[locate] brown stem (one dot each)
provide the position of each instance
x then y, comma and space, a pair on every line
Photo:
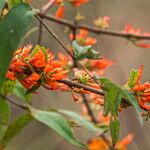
90, 113
85, 87
43, 11
40, 33
93, 29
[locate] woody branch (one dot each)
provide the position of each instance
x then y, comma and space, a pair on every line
95, 30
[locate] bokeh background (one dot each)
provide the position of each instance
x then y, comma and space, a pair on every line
36, 136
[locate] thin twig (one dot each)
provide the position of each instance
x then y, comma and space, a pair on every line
40, 33
55, 36
90, 113
94, 29
43, 11
14, 103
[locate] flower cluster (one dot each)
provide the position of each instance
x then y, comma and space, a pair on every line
38, 67
136, 31
142, 91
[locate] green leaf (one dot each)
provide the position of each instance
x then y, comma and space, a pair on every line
133, 78
81, 52
12, 30
108, 86
15, 127
2, 4
81, 121
57, 122
114, 129
12, 3
112, 97
4, 116
130, 97
20, 91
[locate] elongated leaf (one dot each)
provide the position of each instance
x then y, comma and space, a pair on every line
109, 102
130, 97
14, 128
133, 78
124, 93
57, 122
82, 121
12, 30
4, 116
112, 97
114, 129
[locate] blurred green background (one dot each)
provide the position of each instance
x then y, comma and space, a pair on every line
38, 137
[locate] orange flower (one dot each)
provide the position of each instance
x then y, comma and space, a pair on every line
142, 90
97, 66
90, 41
57, 1
142, 45
35, 76
101, 63
30, 81
17, 65
54, 70
38, 60
54, 85
97, 144
122, 145
78, 2
129, 29
83, 37
60, 12
27, 68
10, 75
63, 59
